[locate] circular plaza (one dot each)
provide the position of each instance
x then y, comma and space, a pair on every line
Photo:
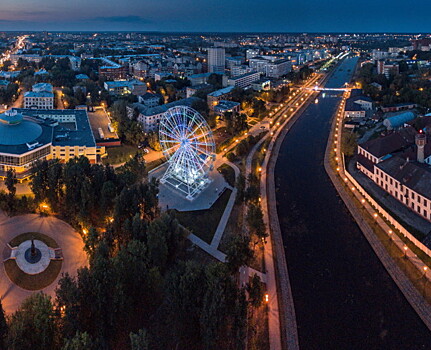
36, 250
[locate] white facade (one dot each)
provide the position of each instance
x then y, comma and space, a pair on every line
216, 59
244, 81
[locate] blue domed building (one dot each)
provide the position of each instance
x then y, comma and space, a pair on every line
29, 135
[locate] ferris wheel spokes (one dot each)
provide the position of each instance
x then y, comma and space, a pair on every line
187, 142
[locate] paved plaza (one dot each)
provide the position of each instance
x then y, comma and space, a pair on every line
170, 198
66, 237
37, 267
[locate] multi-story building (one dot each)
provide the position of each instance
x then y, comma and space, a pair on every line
149, 117
357, 105
269, 66
400, 167
263, 84
240, 70
278, 68
250, 53
125, 87
191, 90
216, 60
41, 97
224, 106
198, 79
387, 69
245, 80
30, 135
113, 71
214, 97
150, 100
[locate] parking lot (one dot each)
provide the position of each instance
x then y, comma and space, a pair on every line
100, 120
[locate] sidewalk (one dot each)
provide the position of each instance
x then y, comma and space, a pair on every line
412, 294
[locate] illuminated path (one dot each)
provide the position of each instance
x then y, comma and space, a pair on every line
66, 237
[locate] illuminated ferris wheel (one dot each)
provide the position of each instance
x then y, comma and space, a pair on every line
188, 145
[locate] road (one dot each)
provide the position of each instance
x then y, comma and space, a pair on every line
295, 105
18, 46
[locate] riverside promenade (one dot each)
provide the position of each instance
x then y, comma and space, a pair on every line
344, 186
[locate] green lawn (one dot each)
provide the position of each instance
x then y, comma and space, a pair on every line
203, 223
32, 282
228, 174
33, 235
120, 154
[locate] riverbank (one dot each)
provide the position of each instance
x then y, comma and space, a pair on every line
406, 269
343, 296
288, 325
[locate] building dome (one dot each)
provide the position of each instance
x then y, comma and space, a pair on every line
16, 131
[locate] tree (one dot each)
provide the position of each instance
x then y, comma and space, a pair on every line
67, 300
240, 185
91, 240
140, 341
11, 181
81, 341
35, 313
238, 253
3, 329
242, 148
153, 141
223, 313
255, 222
255, 291
185, 289
201, 106
216, 80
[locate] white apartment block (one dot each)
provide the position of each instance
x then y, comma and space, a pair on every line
245, 80
216, 59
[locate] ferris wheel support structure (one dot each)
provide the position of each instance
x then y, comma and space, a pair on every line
188, 145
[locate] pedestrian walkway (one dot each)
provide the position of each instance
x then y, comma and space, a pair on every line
412, 294
66, 237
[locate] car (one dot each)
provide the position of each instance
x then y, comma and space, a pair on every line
262, 127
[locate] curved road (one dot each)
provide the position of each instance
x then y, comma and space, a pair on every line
344, 298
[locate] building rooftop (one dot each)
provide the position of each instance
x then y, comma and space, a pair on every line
225, 106
18, 132
82, 76
414, 175
38, 94
42, 87
243, 76
390, 143
41, 72
67, 133
221, 92
149, 96
149, 111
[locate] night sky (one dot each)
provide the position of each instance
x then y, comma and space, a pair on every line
217, 15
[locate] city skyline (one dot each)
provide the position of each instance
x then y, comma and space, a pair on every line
213, 16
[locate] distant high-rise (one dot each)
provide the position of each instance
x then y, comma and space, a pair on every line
216, 59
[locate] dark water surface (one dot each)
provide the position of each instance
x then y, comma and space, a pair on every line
344, 298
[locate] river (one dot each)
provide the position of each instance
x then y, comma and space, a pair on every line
344, 298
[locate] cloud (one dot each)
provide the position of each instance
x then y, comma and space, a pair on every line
121, 19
